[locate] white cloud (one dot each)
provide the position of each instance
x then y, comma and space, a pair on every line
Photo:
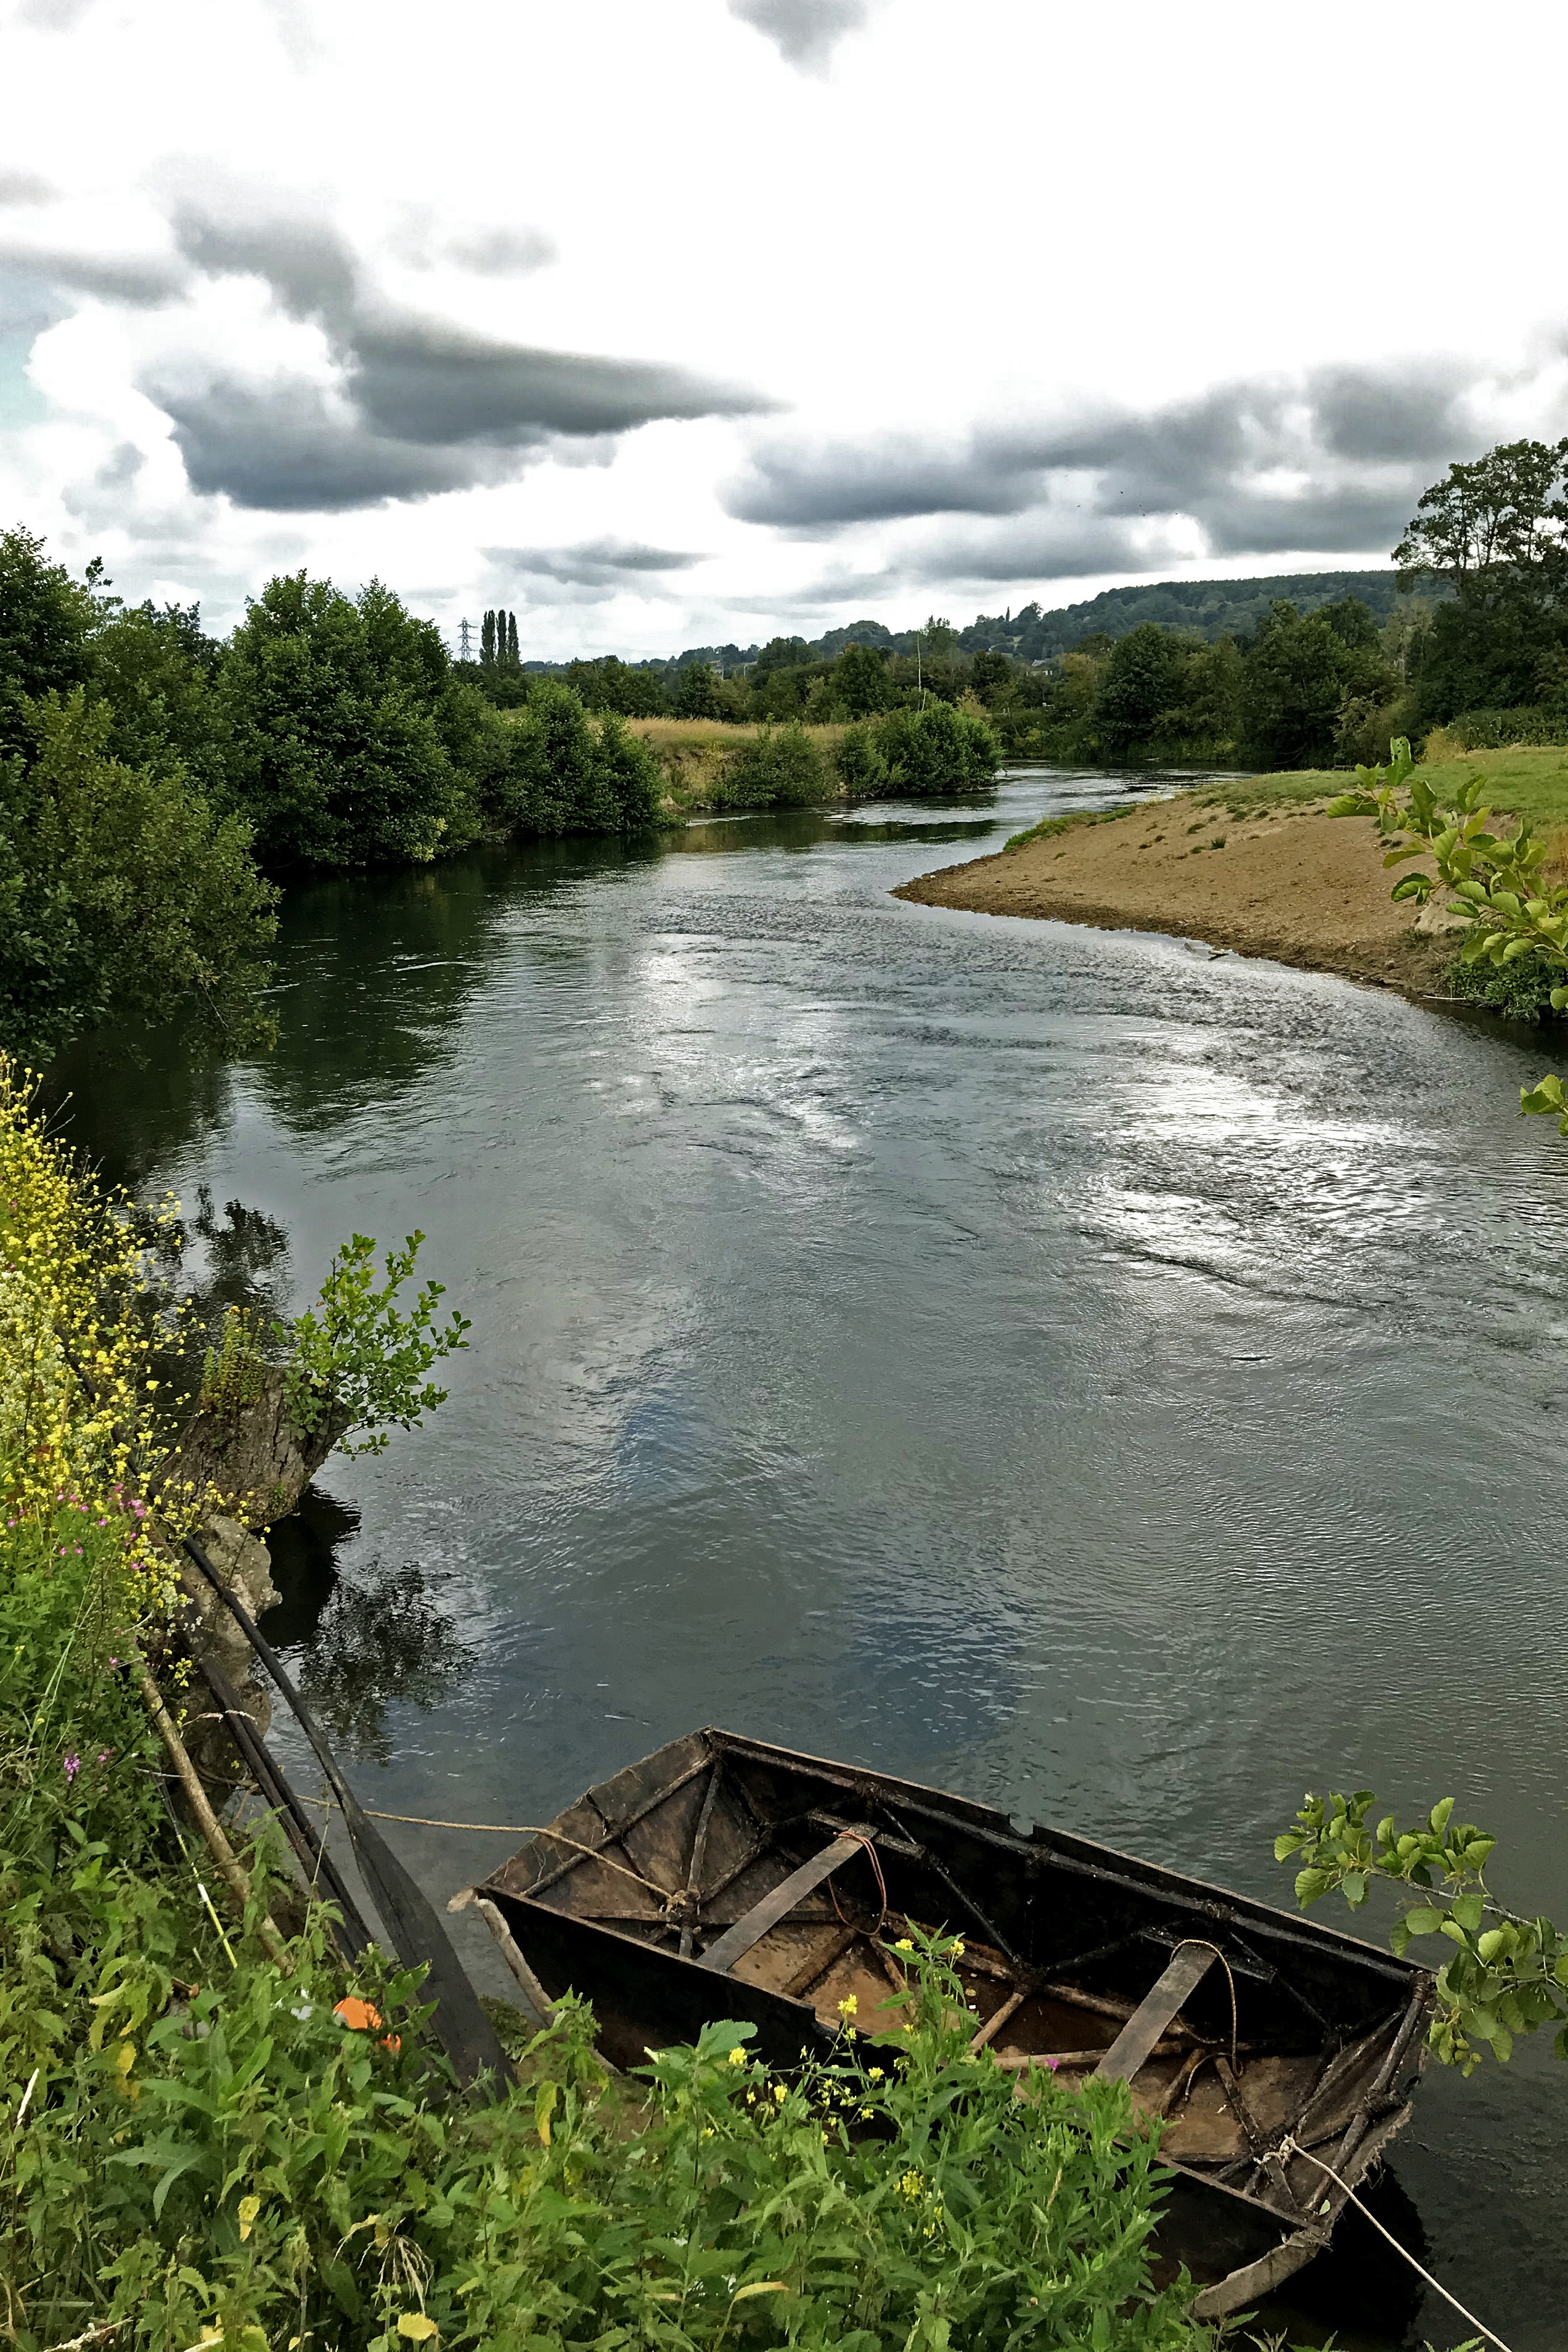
262, 264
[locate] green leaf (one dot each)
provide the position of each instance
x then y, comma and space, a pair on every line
1353, 1886
1309, 1884
1438, 1819
1289, 1843
1423, 1920
1469, 1910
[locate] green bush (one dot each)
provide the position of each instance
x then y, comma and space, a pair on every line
937, 750
234, 2161
781, 767
1520, 990
564, 774
335, 718
1495, 731
862, 769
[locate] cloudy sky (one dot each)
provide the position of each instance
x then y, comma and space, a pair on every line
677, 321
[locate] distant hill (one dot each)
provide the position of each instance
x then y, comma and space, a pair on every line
1207, 608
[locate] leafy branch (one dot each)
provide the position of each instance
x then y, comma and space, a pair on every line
354, 1359
1506, 1976
1496, 878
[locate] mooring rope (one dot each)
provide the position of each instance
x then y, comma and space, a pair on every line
510, 1828
1289, 2148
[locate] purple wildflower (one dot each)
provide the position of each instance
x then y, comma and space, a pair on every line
73, 1766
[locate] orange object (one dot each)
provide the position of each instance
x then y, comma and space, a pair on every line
361, 2017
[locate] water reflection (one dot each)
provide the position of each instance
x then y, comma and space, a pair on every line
364, 1642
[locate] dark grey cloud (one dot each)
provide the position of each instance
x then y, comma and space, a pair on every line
425, 406
1331, 462
24, 188
600, 562
805, 32
308, 267
286, 448
141, 283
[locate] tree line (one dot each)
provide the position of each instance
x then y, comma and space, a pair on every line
155, 785
1469, 630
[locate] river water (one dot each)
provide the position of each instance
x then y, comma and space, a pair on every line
1122, 1383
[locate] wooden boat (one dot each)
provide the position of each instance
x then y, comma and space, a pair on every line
722, 1877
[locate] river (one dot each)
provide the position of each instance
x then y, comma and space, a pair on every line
1122, 1384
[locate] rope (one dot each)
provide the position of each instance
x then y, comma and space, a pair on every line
1289, 2148
875, 1861
511, 1829
1206, 1947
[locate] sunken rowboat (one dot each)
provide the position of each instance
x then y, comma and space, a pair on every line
721, 1877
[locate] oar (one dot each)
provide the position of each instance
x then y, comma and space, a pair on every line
465, 2033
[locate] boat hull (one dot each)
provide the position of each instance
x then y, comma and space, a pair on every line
726, 1878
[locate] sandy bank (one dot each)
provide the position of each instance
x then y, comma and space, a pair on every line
1296, 886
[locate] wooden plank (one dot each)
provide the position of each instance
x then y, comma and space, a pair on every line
1155, 2013
753, 1925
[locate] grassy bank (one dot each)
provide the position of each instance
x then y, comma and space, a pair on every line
1529, 780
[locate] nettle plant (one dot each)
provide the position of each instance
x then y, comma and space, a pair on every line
1496, 878
1505, 1975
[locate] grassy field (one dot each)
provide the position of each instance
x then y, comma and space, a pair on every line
1530, 780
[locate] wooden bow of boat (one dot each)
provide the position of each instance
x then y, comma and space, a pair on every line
722, 1877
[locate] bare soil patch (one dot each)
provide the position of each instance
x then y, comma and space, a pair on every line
1295, 886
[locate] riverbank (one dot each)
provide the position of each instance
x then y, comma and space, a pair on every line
1295, 886
1254, 866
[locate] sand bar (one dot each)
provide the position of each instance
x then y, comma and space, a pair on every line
1295, 886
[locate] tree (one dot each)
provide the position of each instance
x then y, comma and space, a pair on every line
488, 640
565, 776
1141, 682
695, 697
859, 682
46, 621
513, 659
155, 669
990, 675
335, 716
1496, 532
122, 892
1296, 674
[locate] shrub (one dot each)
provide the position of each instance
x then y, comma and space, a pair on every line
566, 775
862, 769
333, 714
781, 767
937, 750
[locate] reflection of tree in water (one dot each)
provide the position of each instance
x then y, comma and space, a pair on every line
130, 1113
383, 1639
247, 1261
358, 1644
